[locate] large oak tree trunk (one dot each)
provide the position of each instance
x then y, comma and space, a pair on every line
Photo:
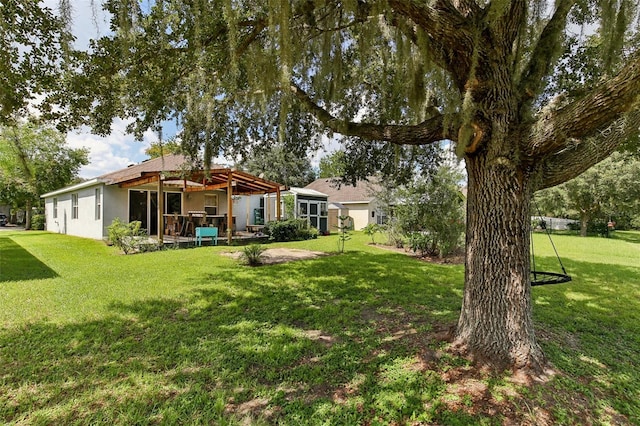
496, 324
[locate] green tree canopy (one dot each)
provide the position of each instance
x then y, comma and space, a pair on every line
35, 159
333, 165
278, 164
396, 78
32, 43
160, 148
607, 191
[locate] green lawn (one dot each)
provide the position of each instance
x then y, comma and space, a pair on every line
88, 335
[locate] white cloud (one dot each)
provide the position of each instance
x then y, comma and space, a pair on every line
110, 153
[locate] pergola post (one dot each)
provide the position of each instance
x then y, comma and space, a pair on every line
229, 207
278, 208
268, 208
160, 209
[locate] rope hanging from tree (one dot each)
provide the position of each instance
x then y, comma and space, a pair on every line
545, 277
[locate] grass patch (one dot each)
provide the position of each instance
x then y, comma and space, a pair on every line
194, 337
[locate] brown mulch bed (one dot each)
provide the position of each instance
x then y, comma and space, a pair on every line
273, 256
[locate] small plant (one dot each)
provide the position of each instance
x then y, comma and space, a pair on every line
371, 230
129, 237
344, 225
253, 254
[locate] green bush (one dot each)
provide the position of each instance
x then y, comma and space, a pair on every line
290, 230
598, 227
37, 222
130, 237
422, 242
253, 254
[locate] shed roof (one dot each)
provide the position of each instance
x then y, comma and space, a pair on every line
308, 192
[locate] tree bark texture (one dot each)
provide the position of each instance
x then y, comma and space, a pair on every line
495, 324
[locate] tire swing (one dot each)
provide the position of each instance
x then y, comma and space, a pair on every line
544, 277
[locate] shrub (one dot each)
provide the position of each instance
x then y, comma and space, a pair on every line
253, 254
290, 230
37, 222
599, 228
395, 237
573, 226
130, 237
422, 242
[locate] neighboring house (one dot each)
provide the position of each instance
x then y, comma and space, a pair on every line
131, 194
358, 202
308, 204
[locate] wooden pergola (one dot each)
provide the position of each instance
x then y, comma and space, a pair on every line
233, 181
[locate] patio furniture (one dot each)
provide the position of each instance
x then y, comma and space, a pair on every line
255, 228
206, 232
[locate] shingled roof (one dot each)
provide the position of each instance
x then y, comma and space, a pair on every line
177, 167
173, 163
362, 192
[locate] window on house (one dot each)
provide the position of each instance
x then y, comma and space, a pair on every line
303, 208
98, 204
74, 206
381, 218
173, 203
323, 209
211, 204
55, 208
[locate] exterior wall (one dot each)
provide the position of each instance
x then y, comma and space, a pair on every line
85, 225
334, 213
361, 214
243, 210
115, 205
242, 206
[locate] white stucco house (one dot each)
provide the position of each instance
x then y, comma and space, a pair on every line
187, 198
359, 201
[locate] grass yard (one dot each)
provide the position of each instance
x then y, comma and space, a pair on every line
88, 336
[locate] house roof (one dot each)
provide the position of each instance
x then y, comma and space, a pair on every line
362, 192
166, 163
75, 187
306, 191
172, 168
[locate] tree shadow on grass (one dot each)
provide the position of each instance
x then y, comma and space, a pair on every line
349, 339
589, 330
17, 264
